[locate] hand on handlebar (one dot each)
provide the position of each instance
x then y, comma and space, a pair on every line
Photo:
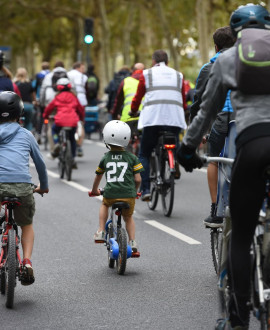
188, 158
138, 195
93, 193
40, 191
134, 114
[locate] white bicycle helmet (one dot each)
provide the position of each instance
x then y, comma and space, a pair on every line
116, 133
63, 84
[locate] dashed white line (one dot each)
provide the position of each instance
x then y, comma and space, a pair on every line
172, 232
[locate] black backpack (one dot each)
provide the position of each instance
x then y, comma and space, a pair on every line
92, 86
253, 61
57, 75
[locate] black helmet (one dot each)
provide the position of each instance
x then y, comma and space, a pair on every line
2, 59
11, 106
249, 16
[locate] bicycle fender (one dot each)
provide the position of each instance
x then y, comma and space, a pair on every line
114, 248
107, 225
171, 159
129, 251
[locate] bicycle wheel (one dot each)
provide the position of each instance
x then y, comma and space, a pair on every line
2, 281
153, 185
216, 237
68, 160
111, 261
122, 257
167, 192
11, 268
61, 161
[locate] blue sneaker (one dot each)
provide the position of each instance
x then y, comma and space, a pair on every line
146, 196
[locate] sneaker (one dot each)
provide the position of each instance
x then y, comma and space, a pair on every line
133, 245
74, 165
27, 275
146, 196
79, 152
99, 237
213, 222
56, 150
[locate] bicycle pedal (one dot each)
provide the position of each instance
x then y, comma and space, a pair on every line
100, 242
135, 254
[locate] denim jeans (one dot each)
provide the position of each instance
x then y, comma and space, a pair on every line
55, 131
149, 140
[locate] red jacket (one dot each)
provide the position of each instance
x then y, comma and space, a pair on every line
69, 110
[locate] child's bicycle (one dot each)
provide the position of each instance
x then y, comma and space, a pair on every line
11, 266
116, 238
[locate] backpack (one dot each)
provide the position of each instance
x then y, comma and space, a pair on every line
92, 86
57, 75
253, 61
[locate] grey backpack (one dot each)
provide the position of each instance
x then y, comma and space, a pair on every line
253, 61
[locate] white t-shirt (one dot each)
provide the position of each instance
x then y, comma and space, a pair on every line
78, 80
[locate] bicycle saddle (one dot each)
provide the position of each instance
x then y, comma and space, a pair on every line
11, 200
120, 205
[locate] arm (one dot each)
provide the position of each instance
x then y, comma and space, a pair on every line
49, 109
39, 164
212, 102
137, 180
136, 101
95, 190
199, 90
119, 101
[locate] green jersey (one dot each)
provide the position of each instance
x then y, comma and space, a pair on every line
119, 168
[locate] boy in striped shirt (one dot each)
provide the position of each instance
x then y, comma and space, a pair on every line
122, 170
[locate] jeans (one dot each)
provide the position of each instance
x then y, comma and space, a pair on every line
55, 131
149, 140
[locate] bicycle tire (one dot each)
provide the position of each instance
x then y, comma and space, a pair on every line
3, 281
111, 262
216, 238
121, 261
152, 204
11, 268
61, 164
68, 160
167, 192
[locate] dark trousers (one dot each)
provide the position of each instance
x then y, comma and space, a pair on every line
149, 140
55, 131
247, 192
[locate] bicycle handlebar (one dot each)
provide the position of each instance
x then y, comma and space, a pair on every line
227, 161
101, 190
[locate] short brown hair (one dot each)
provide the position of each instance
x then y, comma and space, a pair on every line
160, 56
223, 38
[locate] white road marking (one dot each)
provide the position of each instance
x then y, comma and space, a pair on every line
172, 232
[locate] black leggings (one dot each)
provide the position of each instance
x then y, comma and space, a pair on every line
247, 192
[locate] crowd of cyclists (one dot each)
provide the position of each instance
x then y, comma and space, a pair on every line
147, 102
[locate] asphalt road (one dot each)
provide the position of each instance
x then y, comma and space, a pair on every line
172, 285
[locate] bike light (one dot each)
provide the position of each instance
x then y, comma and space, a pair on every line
169, 146
46, 121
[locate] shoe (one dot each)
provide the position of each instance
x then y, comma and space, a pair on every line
177, 174
74, 165
27, 274
99, 237
213, 222
133, 245
146, 196
224, 324
56, 150
79, 152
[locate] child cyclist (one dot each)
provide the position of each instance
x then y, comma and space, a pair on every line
122, 170
16, 144
69, 112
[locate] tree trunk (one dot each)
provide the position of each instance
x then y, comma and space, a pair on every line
165, 27
126, 33
202, 8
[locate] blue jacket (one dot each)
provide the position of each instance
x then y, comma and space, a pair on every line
16, 144
223, 118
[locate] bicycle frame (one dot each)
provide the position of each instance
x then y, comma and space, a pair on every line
111, 243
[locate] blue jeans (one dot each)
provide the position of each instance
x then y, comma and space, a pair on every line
149, 141
55, 131
29, 111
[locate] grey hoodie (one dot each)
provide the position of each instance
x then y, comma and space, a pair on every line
250, 109
16, 144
